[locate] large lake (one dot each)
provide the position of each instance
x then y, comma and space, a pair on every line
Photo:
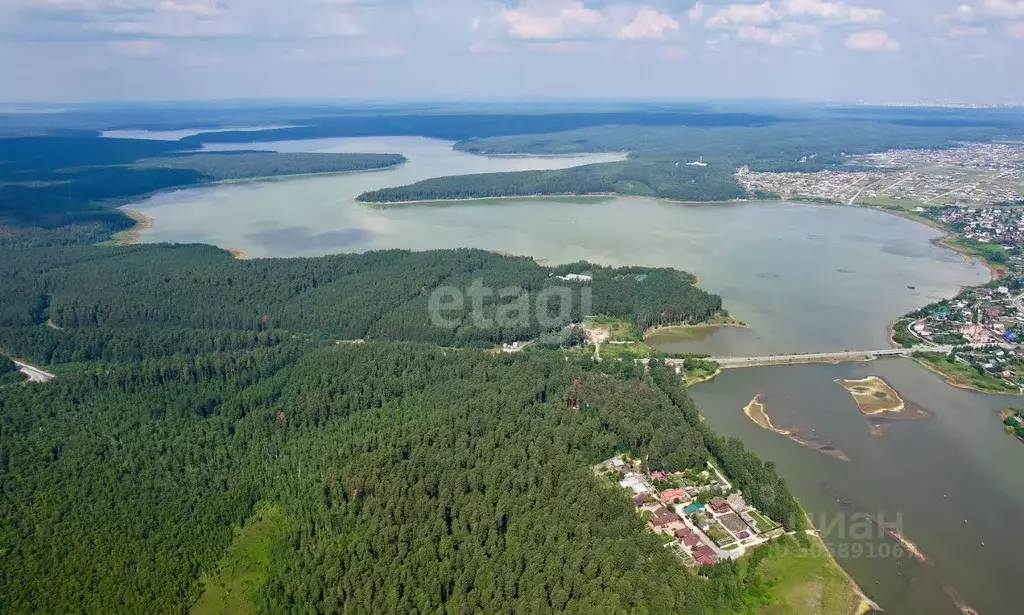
804, 277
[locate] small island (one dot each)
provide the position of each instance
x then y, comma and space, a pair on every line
1013, 420
757, 413
880, 403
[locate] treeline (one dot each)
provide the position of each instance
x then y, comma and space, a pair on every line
46, 345
413, 480
148, 291
7, 366
654, 178
468, 125
812, 143
227, 166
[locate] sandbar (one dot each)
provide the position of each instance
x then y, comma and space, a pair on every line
757, 413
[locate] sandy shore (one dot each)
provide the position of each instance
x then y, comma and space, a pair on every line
567, 195
133, 235
874, 396
733, 323
867, 605
755, 410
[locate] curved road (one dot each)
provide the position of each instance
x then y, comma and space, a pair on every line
34, 373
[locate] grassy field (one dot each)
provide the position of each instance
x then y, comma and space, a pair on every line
764, 524
619, 329
628, 350
243, 568
961, 374
805, 580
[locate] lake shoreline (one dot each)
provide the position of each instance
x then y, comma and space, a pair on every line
735, 324
955, 382
133, 236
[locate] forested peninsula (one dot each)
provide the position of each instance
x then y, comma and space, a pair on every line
66, 189
631, 177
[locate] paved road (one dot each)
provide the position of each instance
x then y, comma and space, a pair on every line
34, 373
817, 357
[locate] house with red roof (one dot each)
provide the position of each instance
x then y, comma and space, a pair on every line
674, 496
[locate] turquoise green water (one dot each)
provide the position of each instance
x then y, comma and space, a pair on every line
804, 277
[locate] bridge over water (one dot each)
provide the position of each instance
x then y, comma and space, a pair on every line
845, 356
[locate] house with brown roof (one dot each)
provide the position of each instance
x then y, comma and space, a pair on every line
719, 504
664, 517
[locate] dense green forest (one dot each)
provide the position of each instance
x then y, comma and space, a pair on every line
227, 166
634, 177
810, 144
9, 373
378, 295
72, 184
413, 480
414, 472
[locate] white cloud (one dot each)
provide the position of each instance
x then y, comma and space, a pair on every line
735, 15
986, 10
872, 40
743, 14
1006, 9
786, 35
833, 12
648, 23
1015, 30
139, 47
571, 20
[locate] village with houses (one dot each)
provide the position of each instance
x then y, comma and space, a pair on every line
698, 512
971, 174
984, 324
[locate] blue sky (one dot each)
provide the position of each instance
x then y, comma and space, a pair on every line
873, 50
